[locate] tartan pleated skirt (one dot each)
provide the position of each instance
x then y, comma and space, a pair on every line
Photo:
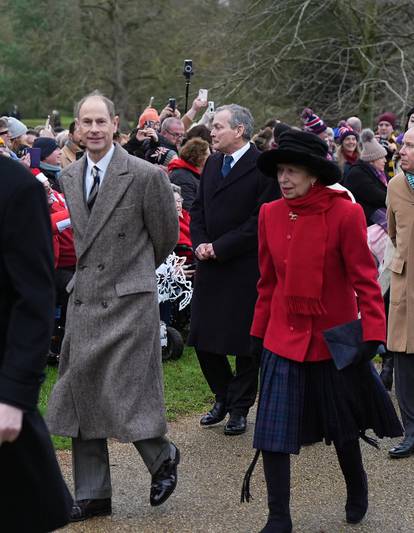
304, 403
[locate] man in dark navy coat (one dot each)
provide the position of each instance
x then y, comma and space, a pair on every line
33, 495
224, 236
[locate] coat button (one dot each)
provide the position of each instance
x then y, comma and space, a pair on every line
105, 305
121, 235
288, 237
101, 266
82, 267
77, 302
291, 328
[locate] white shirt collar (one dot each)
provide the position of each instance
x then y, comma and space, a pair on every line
102, 164
238, 154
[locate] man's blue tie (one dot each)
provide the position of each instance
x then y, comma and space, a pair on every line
225, 169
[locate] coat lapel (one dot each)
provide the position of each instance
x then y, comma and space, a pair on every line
244, 165
74, 195
117, 180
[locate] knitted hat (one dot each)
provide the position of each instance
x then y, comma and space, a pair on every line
312, 122
410, 112
387, 117
149, 114
371, 148
47, 146
345, 131
16, 128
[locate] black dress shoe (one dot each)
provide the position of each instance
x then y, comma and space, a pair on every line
404, 449
164, 481
84, 509
236, 425
215, 415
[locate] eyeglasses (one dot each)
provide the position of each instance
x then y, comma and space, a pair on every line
176, 135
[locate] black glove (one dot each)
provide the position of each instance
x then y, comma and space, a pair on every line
367, 350
256, 347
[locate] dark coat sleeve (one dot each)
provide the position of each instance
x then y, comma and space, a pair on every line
27, 256
198, 225
189, 186
243, 239
361, 182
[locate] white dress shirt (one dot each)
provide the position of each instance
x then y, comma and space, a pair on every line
102, 164
238, 154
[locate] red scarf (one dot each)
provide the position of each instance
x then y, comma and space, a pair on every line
180, 163
351, 157
306, 256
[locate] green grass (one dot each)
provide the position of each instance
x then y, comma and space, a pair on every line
186, 391
33, 122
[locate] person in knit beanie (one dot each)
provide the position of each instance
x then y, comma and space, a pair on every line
313, 123
348, 151
386, 123
150, 119
50, 155
17, 135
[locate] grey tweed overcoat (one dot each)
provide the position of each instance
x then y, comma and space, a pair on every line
110, 375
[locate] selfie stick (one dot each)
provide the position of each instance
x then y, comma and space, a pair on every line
188, 72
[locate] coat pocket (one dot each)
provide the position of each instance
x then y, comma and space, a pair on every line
397, 265
134, 286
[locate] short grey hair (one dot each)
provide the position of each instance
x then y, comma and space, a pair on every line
176, 188
169, 121
239, 116
108, 103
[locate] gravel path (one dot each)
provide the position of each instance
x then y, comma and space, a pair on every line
207, 496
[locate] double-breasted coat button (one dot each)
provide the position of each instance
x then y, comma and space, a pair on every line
121, 235
82, 267
288, 237
77, 302
101, 266
105, 305
291, 328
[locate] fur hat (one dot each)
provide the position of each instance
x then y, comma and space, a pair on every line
301, 148
371, 148
311, 121
387, 117
47, 146
16, 128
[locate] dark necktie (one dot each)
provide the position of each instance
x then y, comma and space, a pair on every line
225, 169
95, 187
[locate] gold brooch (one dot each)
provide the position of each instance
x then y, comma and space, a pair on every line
293, 216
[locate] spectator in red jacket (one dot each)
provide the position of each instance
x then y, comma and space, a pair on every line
313, 258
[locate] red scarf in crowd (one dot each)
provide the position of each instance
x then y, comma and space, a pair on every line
180, 163
350, 157
306, 257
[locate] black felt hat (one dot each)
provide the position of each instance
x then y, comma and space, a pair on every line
304, 149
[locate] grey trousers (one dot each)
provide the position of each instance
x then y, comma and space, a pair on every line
90, 464
404, 389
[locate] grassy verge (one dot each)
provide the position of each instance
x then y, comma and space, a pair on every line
186, 391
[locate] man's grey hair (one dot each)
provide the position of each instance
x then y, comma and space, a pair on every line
168, 122
239, 116
108, 103
355, 123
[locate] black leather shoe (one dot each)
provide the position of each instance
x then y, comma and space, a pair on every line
215, 415
236, 425
404, 449
84, 509
164, 481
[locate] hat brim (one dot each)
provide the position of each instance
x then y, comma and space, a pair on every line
327, 171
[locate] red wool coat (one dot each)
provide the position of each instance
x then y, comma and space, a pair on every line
349, 269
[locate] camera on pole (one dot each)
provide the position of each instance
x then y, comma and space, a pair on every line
187, 72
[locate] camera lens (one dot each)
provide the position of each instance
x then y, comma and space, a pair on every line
187, 68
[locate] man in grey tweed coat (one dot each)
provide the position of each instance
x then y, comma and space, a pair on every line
110, 375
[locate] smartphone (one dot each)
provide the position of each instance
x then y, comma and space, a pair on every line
34, 157
203, 95
211, 106
171, 103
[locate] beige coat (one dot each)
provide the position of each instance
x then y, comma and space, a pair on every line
67, 156
400, 210
110, 375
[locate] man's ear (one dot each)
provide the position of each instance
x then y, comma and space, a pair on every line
240, 130
116, 122
77, 122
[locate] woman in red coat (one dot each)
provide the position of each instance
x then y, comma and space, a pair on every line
313, 258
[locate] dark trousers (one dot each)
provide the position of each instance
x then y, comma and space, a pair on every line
238, 391
404, 389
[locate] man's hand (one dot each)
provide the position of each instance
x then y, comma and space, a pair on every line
205, 251
169, 112
146, 133
10, 422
